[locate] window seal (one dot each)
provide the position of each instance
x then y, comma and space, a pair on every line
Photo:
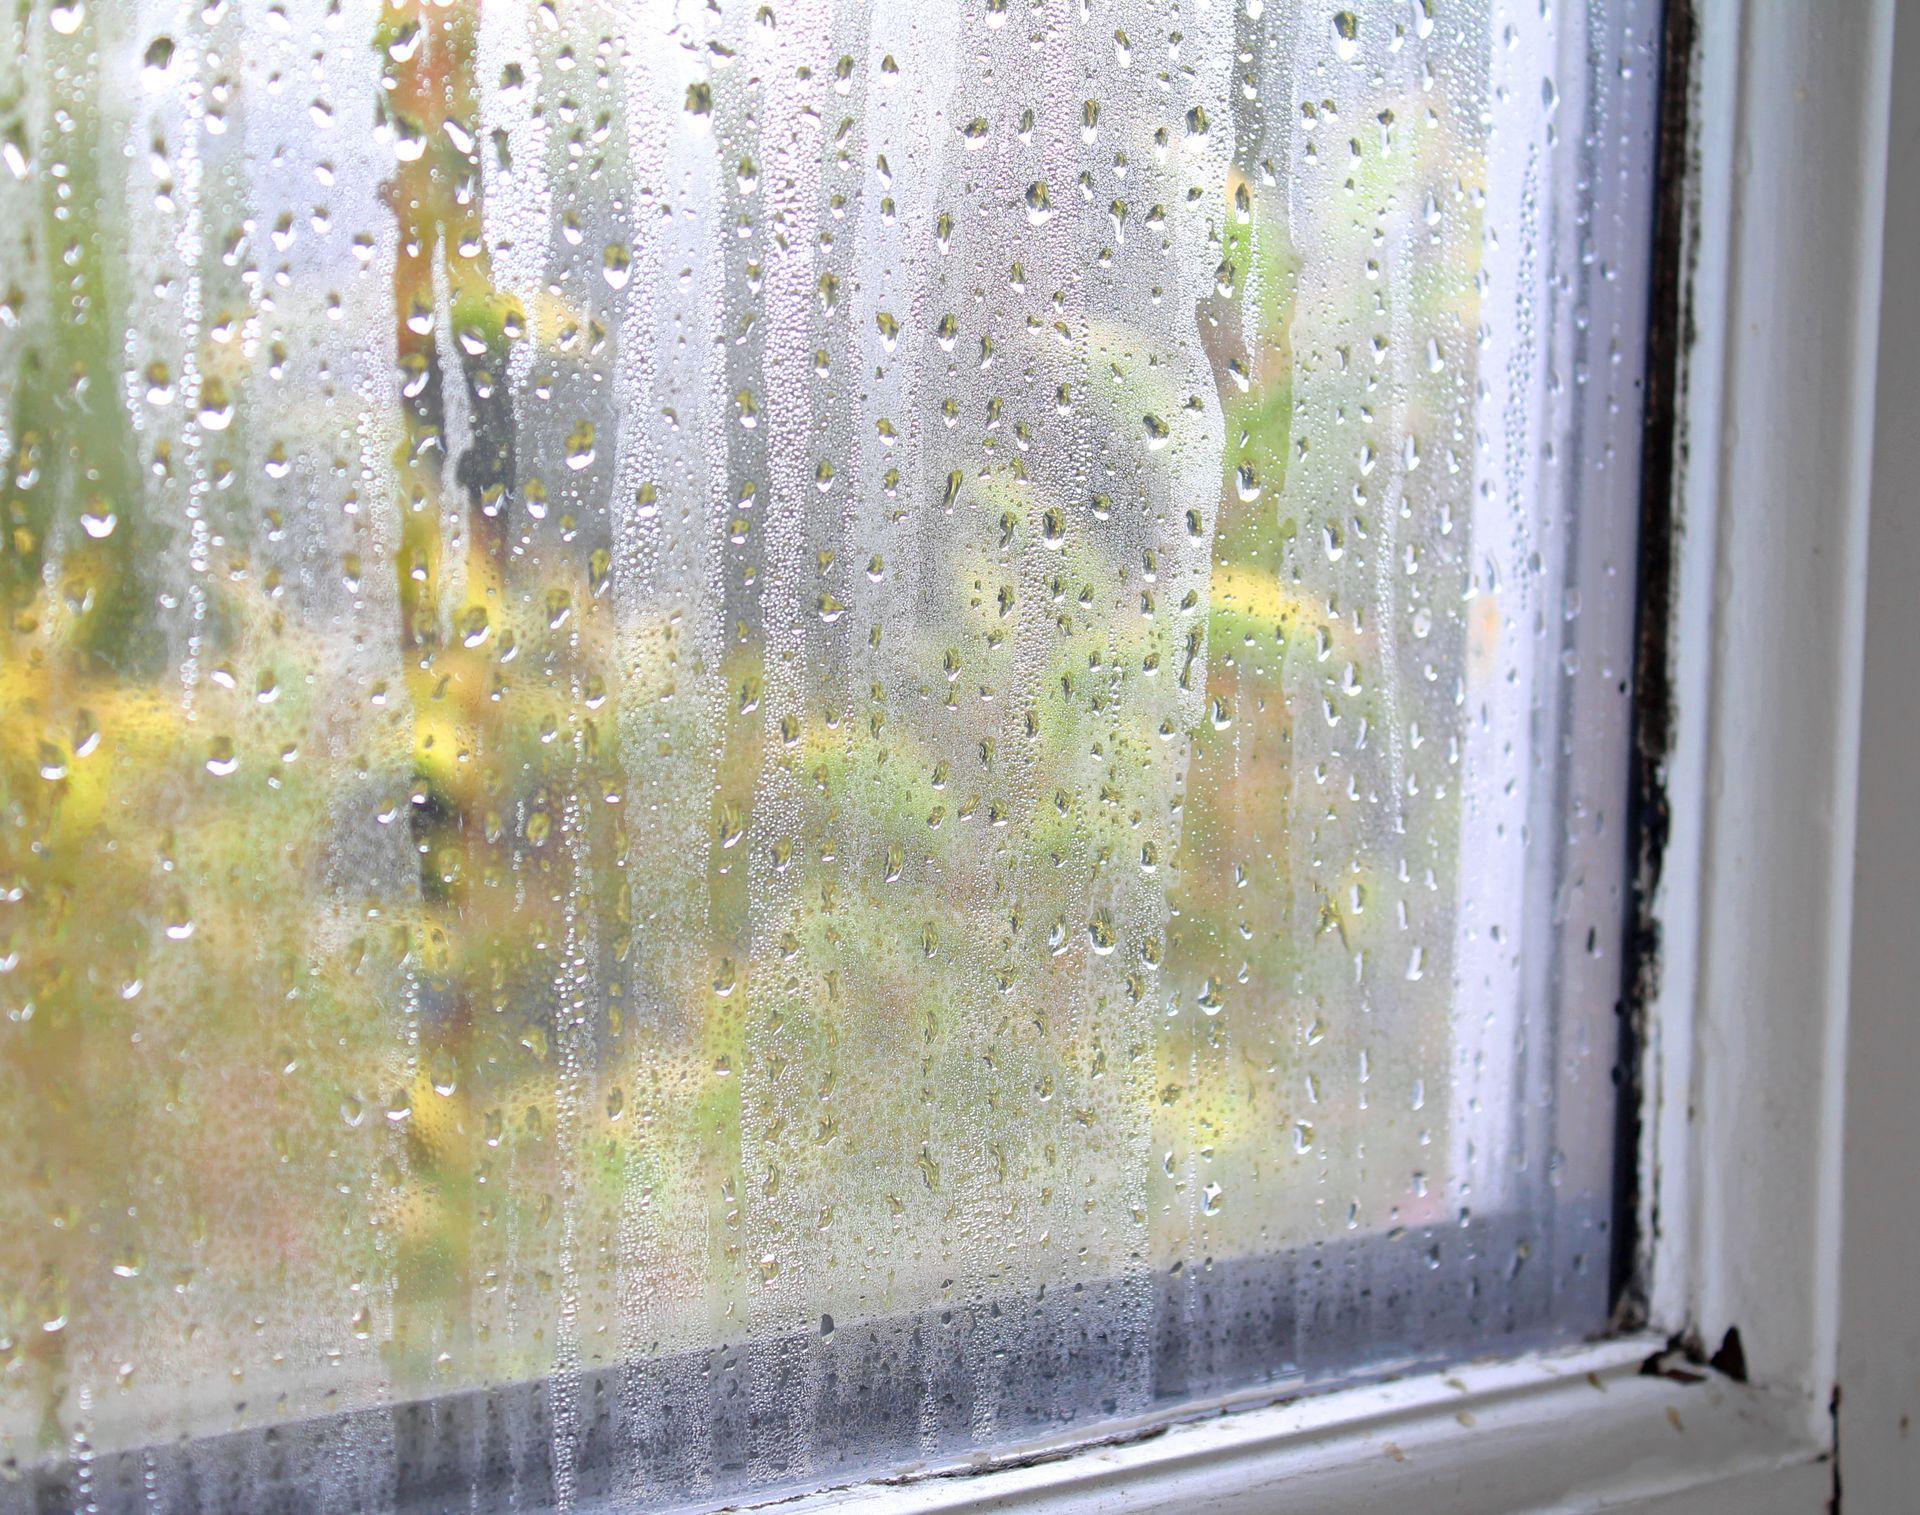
1616, 1425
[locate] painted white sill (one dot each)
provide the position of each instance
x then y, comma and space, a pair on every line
1578, 1430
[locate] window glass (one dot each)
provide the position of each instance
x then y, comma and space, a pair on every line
743, 743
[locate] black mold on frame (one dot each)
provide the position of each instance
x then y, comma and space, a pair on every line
1670, 334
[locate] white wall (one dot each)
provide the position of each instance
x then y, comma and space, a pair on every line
1879, 1360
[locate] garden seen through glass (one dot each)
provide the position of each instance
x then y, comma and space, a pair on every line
745, 743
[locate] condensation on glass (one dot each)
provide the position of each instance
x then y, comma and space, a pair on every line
745, 743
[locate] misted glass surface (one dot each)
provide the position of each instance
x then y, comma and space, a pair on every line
810, 735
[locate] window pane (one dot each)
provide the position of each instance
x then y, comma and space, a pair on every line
749, 743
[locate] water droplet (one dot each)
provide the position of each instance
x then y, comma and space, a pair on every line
1100, 932
409, 138
1346, 35
616, 264
216, 406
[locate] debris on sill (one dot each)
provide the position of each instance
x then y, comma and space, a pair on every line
1684, 1360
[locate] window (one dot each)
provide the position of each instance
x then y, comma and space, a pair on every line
749, 746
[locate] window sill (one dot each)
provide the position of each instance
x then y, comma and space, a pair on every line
1582, 1429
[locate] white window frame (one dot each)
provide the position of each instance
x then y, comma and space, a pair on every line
1745, 1069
